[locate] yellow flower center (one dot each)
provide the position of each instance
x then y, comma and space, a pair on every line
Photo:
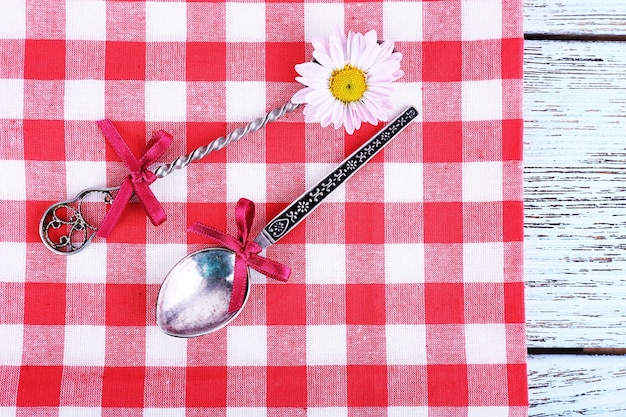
348, 84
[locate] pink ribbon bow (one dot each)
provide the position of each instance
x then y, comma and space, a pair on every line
139, 179
246, 252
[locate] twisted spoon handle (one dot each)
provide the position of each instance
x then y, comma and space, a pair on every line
223, 141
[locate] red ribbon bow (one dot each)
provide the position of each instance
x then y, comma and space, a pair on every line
246, 252
139, 179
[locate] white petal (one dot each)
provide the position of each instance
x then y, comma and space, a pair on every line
385, 51
349, 120
313, 70
356, 49
341, 36
380, 91
371, 37
337, 55
318, 96
364, 113
379, 78
316, 83
373, 104
320, 44
300, 96
368, 57
338, 112
323, 58
386, 67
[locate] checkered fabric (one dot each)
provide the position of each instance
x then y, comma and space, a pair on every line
406, 297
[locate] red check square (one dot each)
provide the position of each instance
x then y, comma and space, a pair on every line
126, 305
447, 385
206, 386
365, 223
123, 386
286, 386
512, 58
39, 386
206, 61
280, 59
442, 61
444, 303
54, 133
286, 304
367, 385
365, 304
125, 60
44, 59
443, 141
44, 303
284, 142
443, 222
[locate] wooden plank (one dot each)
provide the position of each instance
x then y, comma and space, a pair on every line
575, 17
571, 385
575, 193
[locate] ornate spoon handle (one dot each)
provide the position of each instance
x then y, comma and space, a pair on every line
66, 227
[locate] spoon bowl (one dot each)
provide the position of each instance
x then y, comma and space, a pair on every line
195, 294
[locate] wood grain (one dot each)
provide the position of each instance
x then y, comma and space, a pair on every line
566, 385
601, 18
575, 193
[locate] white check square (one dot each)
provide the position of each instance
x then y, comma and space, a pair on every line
483, 262
12, 336
85, 20
160, 259
84, 174
84, 345
482, 181
12, 21
404, 263
12, 103
402, 21
166, 101
485, 343
245, 180
325, 264
404, 182
14, 267
482, 100
321, 19
166, 22
247, 345
164, 350
326, 345
245, 100
245, 22
406, 344
91, 268
84, 100
481, 19
14, 185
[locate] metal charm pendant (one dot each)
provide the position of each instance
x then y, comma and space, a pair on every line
68, 226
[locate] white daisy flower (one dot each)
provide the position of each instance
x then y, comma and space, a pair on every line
350, 81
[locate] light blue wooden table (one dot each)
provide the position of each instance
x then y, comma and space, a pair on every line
575, 206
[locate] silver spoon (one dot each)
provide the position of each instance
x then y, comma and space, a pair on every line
67, 227
195, 295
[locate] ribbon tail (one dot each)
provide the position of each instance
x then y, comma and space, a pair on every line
240, 285
269, 268
151, 205
116, 210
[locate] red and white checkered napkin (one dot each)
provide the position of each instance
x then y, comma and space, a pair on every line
406, 297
